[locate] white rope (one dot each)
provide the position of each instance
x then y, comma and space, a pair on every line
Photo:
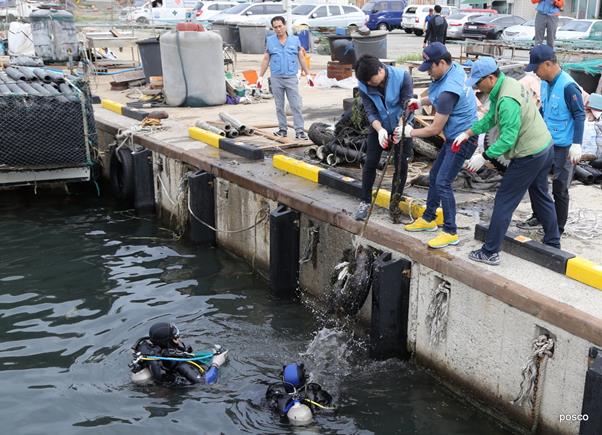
264, 212
308, 252
165, 191
437, 313
532, 377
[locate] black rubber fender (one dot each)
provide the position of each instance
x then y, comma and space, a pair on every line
121, 171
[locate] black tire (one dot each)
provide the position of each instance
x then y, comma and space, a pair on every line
320, 134
408, 30
352, 28
142, 20
383, 26
418, 32
122, 175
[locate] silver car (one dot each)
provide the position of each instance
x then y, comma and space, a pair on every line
328, 16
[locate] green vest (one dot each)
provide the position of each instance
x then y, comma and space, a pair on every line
533, 136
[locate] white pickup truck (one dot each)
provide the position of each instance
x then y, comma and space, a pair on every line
170, 11
14, 9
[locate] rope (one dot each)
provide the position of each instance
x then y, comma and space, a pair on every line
308, 251
263, 211
318, 404
533, 373
584, 224
437, 313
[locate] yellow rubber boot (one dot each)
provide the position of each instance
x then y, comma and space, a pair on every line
443, 239
421, 225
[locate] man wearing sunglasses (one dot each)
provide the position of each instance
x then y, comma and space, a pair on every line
523, 139
456, 108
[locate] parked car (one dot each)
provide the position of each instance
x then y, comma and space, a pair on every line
384, 15
160, 13
328, 16
232, 12
455, 23
258, 13
490, 27
526, 31
579, 29
414, 16
206, 9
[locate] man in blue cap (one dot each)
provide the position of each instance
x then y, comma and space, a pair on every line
523, 139
564, 114
456, 108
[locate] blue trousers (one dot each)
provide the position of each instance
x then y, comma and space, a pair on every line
524, 174
443, 173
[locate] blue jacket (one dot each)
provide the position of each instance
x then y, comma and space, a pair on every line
284, 58
465, 111
556, 113
389, 111
547, 7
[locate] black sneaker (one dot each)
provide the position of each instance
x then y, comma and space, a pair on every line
529, 224
362, 211
281, 133
480, 256
301, 135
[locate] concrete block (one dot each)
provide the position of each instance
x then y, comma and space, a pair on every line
314, 275
237, 208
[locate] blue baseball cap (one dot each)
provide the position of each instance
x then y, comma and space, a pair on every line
432, 53
539, 54
481, 68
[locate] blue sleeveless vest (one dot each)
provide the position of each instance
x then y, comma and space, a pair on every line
556, 113
284, 59
389, 112
465, 111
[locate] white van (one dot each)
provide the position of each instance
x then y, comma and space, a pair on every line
413, 17
166, 12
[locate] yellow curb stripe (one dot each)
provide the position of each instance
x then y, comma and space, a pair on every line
204, 136
296, 167
310, 172
585, 271
111, 105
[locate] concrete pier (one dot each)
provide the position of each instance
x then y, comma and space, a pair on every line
494, 313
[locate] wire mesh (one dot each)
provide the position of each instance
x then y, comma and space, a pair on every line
46, 131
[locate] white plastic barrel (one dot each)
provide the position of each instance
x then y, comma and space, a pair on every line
193, 68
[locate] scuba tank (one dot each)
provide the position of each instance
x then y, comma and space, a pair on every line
299, 414
142, 377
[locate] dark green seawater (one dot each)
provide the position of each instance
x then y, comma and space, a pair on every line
80, 281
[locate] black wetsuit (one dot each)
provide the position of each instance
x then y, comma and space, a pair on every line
168, 371
279, 399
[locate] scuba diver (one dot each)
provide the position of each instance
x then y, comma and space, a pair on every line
163, 358
295, 398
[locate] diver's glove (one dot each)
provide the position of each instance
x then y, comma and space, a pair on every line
219, 359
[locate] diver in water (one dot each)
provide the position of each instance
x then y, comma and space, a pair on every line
162, 357
295, 398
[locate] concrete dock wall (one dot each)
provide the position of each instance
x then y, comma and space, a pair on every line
490, 324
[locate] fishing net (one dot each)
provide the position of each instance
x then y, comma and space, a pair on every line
46, 131
592, 66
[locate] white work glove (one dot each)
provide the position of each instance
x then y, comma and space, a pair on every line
575, 153
475, 163
414, 104
397, 133
310, 80
458, 141
383, 138
219, 359
259, 83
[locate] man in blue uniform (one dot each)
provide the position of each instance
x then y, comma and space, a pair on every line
385, 91
284, 54
456, 108
563, 112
